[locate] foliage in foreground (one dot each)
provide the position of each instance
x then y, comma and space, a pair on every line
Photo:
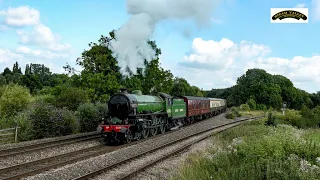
306, 118
233, 113
90, 115
13, 98
255, 151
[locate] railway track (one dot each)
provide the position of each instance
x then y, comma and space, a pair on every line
44, 145
38, 166
35, 167
203, 135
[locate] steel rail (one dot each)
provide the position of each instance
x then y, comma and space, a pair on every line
114, 165
35, 147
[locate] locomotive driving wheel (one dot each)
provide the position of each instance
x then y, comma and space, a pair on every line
153, 131
145, 133
129, 136
162, 127
138, 136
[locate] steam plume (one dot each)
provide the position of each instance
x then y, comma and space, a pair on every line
130, 46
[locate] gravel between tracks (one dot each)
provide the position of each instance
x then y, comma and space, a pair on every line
134, 165
39, 141
45, 153
170, 167
80, 168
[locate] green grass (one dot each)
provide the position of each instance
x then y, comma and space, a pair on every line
252, 113
255, 151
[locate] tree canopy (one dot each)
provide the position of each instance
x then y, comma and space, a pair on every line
101, 77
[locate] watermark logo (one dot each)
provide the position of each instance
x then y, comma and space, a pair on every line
289, 15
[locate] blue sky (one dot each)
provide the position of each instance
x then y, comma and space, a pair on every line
250, 40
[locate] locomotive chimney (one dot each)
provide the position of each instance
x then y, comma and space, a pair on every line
124, 90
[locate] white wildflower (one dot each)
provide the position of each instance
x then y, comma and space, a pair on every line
314, 167
304, 165
293, 157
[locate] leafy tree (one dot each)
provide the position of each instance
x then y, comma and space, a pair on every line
252, 104
180, 87
156, 79
100, 70
31, 81
6, 71
16, 69
133, 83
70, 97
244, 107
14, 98
3, 80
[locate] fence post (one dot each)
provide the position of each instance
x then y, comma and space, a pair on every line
16, 135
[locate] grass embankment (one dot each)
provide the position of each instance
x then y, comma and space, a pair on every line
256, 151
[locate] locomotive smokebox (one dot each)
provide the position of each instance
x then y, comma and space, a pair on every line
124, 90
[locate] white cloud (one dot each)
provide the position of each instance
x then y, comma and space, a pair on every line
300, 6
38, 53
20, 16
7, 56
24, 55
316, 9
216, 55
42, 36
215, 64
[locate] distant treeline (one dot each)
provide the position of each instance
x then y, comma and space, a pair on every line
267, 89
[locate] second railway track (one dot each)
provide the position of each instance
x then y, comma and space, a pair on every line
35, 147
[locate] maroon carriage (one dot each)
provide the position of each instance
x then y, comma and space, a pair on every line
198, 108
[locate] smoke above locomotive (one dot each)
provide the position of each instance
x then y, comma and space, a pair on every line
130, 46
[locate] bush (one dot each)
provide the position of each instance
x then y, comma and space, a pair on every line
244, 107
70, 97
104, 98
271, 121
102, 110
70, 124
233, 113
14, 98
230, 115
50, 99
49, 121
88, 116
261, 107
25, 132
252, 104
